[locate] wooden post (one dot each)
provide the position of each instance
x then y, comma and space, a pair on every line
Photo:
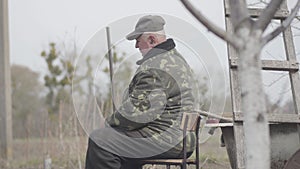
47, 162
5, 93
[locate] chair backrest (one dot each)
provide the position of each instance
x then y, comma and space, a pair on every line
191, 120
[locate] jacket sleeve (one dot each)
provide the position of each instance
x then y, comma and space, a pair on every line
144, 103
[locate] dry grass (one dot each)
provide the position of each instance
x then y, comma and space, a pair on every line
69, 153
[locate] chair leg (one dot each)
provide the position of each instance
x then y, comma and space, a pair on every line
168, 166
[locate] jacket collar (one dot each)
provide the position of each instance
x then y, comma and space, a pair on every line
158, 49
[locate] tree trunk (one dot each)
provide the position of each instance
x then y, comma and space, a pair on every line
256, 127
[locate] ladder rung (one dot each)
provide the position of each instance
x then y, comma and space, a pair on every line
273, 118
276, 65
255, 12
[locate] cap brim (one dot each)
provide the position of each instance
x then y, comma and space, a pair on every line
133, 35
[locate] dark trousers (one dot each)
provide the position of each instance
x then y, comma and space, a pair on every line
98, 158
110, 150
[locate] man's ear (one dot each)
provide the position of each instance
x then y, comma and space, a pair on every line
152, 40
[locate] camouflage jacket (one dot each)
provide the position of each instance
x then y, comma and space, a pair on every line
158, 94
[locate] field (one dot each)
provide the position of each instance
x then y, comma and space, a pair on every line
69, 153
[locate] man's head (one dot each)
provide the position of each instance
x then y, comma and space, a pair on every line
149, 32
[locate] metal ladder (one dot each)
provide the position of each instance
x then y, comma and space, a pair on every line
290, 65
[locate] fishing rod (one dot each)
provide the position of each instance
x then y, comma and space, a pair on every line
111, 69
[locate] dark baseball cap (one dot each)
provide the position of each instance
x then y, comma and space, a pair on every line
148, 23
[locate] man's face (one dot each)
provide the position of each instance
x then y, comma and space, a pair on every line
143, 43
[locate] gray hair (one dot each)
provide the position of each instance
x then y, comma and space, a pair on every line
158, 34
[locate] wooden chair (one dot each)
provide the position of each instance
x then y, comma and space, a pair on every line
189, 122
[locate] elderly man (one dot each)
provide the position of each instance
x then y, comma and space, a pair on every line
147, 124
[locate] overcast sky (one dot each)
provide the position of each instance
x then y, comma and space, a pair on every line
33, 24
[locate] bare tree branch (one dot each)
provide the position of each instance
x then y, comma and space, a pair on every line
238, 12
267, 15
230, 38
283, 26
292, 26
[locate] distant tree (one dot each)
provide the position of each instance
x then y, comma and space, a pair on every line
26, 97
58, 79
